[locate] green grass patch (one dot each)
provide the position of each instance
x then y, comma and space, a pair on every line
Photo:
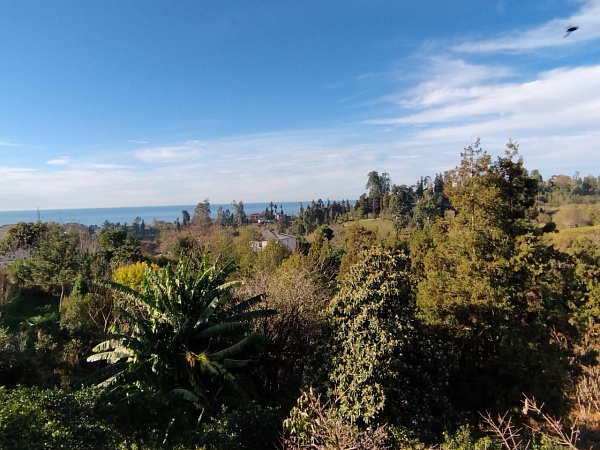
382, 227
564, 238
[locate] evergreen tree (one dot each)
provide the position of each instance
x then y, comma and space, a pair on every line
185, 216
379, 188
53, 265
202, 214
386, 366
239, 215
500, 294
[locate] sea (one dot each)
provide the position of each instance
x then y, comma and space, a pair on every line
123, 215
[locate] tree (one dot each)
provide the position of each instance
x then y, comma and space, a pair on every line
220, 246
496, 290
239, 215
356, 239
185, 339
137, 227
185, 216
271, 256
295, 291
386, 366
472, 188
429, 208
53, 266
401, 204
224, 218
120, 245
517, 191
202, 215
24, 236
244, 244
431, 204
378, 186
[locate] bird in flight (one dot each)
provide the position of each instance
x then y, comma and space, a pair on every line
570, 30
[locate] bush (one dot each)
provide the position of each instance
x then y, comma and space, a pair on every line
466, 439
31, 418
7, 288
253, 427
314, 424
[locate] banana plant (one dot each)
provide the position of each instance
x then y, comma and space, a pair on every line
182, 334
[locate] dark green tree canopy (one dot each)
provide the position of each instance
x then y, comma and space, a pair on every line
386, 366
24, 236
53, 265
201, 217
492, 283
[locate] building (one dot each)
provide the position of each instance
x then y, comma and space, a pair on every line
268, 235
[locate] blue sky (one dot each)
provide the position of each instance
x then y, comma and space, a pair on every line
143, 102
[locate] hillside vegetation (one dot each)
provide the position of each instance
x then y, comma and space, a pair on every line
460, 312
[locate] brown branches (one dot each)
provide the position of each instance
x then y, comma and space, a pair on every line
545, 426
503, 428
316, 425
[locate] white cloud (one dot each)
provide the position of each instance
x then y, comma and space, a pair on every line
565, 99
293, 165
64, 161
60, 161
553, 113
548, 35
166, 154
103, 166
9, 172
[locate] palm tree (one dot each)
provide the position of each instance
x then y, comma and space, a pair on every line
180, 336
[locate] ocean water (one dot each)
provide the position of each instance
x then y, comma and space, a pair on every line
97, 216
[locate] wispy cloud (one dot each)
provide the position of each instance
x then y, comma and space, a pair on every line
436, 108
166, 154
551, 111
446, 81
8, 172
60, 161
547, 35
69, 163
104, 166
560, 99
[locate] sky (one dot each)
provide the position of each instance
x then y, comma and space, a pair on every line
145, 102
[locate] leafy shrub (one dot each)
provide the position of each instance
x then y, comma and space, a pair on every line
31, 418
7, 288
34, 419
465, 438
315, 424
132, 275
251, 427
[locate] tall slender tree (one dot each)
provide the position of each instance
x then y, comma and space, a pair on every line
386, 366
239, 215
202, 214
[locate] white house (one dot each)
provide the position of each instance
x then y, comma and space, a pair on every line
267, 235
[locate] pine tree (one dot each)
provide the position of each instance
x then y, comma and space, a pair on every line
498, 291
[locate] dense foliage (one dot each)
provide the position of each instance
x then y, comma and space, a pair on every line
450, 327
180, 337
